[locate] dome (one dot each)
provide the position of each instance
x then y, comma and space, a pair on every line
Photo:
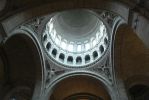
75, 37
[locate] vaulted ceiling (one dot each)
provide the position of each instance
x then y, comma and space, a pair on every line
131, 45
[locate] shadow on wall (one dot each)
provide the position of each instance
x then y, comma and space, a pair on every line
131, 60
22, 69
139, 92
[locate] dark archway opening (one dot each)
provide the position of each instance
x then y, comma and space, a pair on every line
23, 68
139, 92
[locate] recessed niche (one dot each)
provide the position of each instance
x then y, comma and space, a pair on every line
78, 60
62, 56
54, 52
101, 48
87, 58
95, 54
70, 59
45, 37
48, 46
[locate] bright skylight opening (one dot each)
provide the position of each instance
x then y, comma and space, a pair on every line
94, 42
64, 45
70, 47
57, 41
51, 27
101, 28
79, 48
87, 46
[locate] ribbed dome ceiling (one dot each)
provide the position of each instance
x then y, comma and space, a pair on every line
75, 37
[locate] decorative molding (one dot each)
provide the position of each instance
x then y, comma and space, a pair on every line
53, 70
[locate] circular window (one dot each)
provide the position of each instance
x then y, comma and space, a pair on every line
79, 33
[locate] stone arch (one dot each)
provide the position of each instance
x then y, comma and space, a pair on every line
111, 93
29, 13
25, 63
130, 55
